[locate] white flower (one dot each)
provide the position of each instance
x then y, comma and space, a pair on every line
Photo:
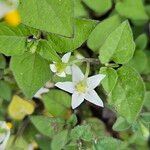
7, 6
4, 134
62, 68
82, 88
40, 92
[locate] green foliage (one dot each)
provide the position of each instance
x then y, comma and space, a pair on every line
57, 103
31, 72
125, 8
99, 6
102, 31
127, 96
122, 45
55, 16
47, 126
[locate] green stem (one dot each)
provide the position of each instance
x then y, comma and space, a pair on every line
87, 70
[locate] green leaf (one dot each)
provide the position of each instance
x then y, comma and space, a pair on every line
47, 51
2, 62
146, 117
108, 143
83, 28
54, 16
57, 103
83, 132
102, 31
121, 124
13, 39
47, 126
99, 6
59, 140
72, 121
139, 61
127, 96
110, 80
141, 41
31, 72
147, 99
119, 46
5, 90
79, 9
125, 8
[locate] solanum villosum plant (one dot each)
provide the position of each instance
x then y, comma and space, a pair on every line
74, 74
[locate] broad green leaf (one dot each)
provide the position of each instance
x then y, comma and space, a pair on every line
5, 90
60, 140
73, 120
54, 16
47, 51
82, 29
139, 61
132, 9
19, 108
83, 132
2, 62
99, 6
147, 99
121, 124
44, 143
147, 7
102, 31
141, 41
13, 39
31, 72
119, 46
108, 143
127, 96
47, 126
57, 103
110, 80
146, 117
79, 9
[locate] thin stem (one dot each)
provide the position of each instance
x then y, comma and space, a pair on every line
87, 70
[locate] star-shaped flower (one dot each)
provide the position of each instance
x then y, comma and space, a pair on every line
82, 87
62, 68
4, 134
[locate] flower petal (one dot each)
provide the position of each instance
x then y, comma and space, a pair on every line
95, 80
93, 97
62, 74
77, 74
77, 99
53, 68
66, 57
66, 86
68, 70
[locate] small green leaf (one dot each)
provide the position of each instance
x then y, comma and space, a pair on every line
99, 6
127, 96
119, 46
5, 90
83, 28
110, 80
59, 140
13, 39
102, 31
147, 99
108, 143
141, 41
83, 132
73, 120
47, 126
146, 117
57, 103
139, 61
125, 8
121, 124
54, 16
31, 72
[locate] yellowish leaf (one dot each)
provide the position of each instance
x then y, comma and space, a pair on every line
19, 108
